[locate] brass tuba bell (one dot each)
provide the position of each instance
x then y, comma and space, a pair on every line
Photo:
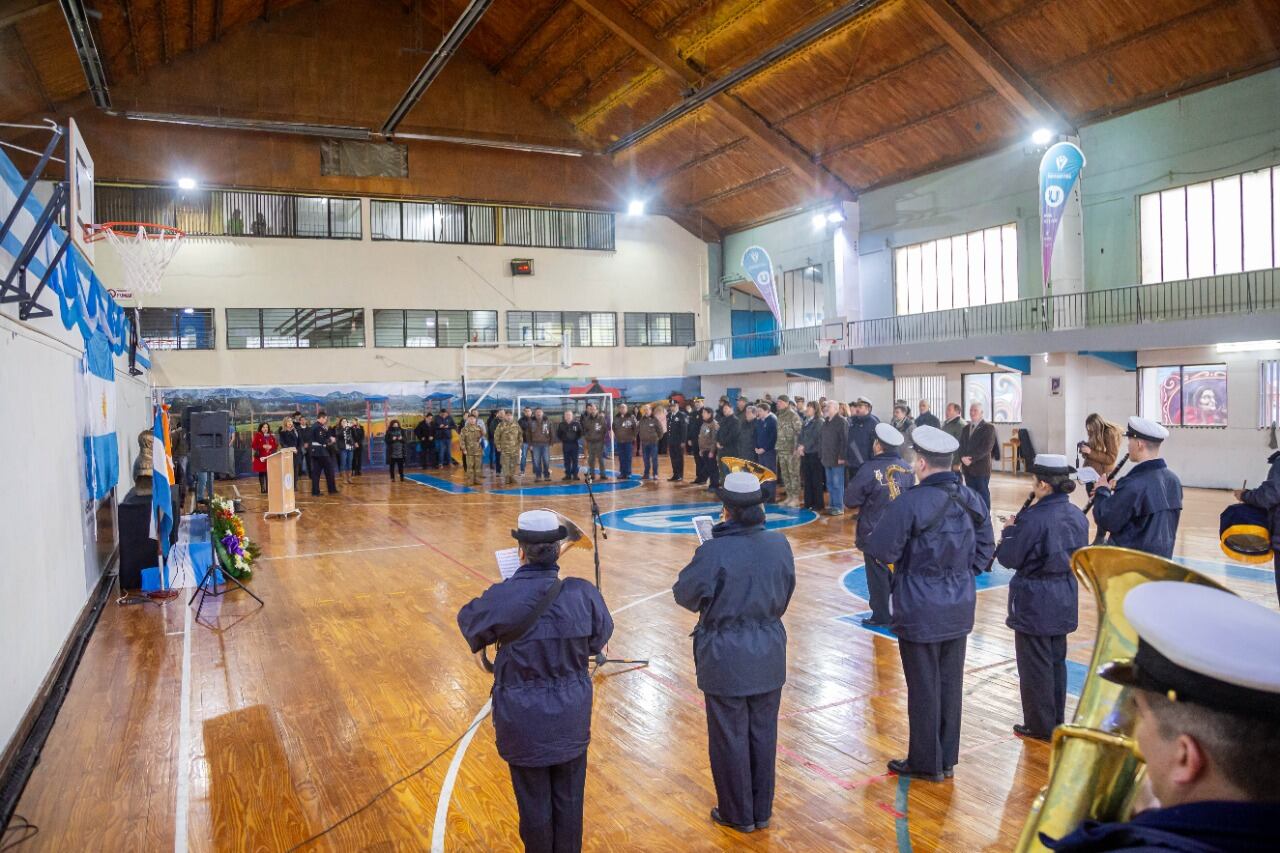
1095, 768
733, 464
576, 538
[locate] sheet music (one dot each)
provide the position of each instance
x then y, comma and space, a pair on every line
508, 561
703, 524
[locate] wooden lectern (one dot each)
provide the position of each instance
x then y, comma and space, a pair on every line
280, 484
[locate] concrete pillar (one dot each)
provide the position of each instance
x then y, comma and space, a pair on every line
847, 293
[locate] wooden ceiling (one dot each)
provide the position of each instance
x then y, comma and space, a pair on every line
902, 88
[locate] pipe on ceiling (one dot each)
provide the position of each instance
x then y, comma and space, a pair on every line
87, 49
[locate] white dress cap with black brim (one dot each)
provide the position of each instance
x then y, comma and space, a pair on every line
1051, 463
741, 489
860, 400
930, 439
888, 435
1145, 428
539, 526
1202, 645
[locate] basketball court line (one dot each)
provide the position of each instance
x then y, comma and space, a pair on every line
183, 795
347, 551
441, 823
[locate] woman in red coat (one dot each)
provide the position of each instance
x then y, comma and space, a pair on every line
264, 444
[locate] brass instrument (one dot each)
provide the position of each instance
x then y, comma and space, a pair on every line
733, 464
1095, 769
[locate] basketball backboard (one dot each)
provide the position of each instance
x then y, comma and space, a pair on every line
80, 183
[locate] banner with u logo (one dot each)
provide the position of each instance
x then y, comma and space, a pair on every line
1059, 170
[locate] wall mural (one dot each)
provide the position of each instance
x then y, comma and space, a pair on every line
376, 404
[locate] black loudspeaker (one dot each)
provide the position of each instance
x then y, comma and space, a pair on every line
186, 416
210, 438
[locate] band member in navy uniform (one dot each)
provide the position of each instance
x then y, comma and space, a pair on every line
1205, 696
546, 631
1037, 544
938, 537
1141, 511
319, 440
1267, 496
881, 480
739, 583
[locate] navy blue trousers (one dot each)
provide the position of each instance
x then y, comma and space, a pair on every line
625, 452
878, 579
935, 691
769, 459
649, 453
1042, 680
742, 737
981, 485
569, 450
550, 803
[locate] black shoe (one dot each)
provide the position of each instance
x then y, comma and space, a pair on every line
874, 623
740, 827
566, 478
1024, 732
948, 772
674, 479
899, 767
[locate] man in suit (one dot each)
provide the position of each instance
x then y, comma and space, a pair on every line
978, 441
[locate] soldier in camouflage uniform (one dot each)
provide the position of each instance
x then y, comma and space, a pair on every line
508, 437
789, 424
472, 436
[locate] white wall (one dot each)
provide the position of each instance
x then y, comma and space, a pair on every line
658, 266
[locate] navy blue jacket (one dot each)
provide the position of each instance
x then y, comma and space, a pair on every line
541, 687
1143, 511
1267, 496
1038, 546
928, 419
933, 593
766, 433
739, 583
862, 432
1209, 827
870, 490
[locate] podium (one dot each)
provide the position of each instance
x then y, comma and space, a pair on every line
280, 484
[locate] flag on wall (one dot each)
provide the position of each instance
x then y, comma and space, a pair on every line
1059, 169
161, 481
101, 449
759, 268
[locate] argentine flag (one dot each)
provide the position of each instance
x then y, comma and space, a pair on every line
101, 451
161, 482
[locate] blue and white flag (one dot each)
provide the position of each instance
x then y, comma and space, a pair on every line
1059, 169
101, 450
759, 268
161, 484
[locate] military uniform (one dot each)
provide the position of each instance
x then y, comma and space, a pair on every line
938, 537
877, 484
595, 429
624, 436
862, 432
789, 426
473, 448
1267, 497
679, 426
319, 439
508, 438
708, 470
1143, 511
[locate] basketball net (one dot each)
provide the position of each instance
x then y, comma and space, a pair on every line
145, 250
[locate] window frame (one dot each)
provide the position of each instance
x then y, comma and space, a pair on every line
649, 318
176, 315
471, 327
556, 321
990, 408
1007, 262
298, 319
1152, 370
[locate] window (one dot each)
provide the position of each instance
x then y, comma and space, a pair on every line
177, 328
581, 328
999, 394
413, 327
978, 268
802, 293
913, 389
1184, 395
657, 330
557, 229
294, 328
1227, 225
232, 213
490, 225
1268, 393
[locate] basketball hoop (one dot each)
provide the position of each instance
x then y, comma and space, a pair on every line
825, 345
145, 249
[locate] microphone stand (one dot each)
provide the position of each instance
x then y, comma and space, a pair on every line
598, 530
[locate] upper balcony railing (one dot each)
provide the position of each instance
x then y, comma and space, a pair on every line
1237, 293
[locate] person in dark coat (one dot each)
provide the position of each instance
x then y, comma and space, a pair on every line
595, 430
1205, 697
708, 470
541, 684
569, 434
320, 441
727, 436
678, 426
624, 439
877, 484
978, 441
394, 439
443, 428
926, 417
937, 536
833, 445
425, 436
862, 432
1142, 509
1267, 497
808, 446
765, 439
739, 583
525, 419
745, 441
358, 450
1037, 544
491, 428
290, 436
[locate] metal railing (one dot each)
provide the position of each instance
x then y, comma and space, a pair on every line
757, 344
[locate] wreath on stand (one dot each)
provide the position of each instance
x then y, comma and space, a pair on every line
236, 553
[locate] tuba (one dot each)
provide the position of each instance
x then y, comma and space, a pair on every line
1095, 768
733, 465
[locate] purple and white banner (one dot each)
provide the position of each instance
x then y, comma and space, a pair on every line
759, 268
1059, 170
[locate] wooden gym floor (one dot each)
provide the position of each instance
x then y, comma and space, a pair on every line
354, 674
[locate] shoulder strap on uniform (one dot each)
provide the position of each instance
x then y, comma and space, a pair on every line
526, 624
953, 496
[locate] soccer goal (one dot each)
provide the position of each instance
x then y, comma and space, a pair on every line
603, 401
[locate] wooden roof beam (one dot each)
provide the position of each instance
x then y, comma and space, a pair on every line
14, 17
133, 37
979, 53
641, 39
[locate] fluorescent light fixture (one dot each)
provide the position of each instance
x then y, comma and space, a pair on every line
835, 217
819, 220
186, 183
188, 310
1248, 346
1041, 136
635, 207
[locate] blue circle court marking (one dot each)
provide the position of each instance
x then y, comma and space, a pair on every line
678, 518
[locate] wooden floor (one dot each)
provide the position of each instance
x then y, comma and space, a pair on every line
354, 674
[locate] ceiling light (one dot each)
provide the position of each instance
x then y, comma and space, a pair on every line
835, 217
1041, 136
1248, 346
188, 310
635, 207
186, 183
819, 220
